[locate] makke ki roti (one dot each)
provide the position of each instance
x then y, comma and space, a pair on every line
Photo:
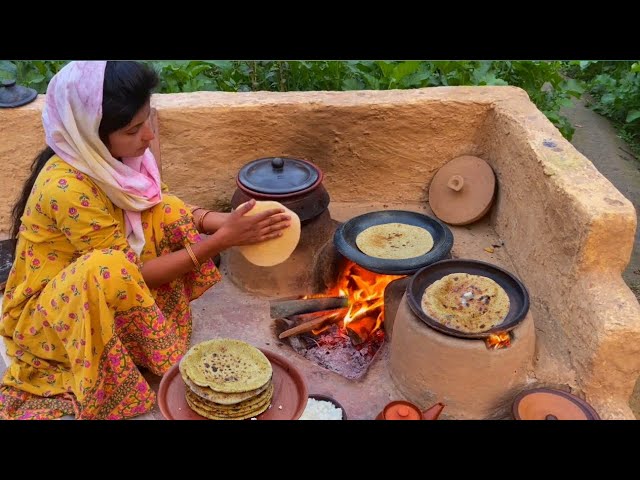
219, 397
233, 411
213, 416
227, 365
394, 241
465, 302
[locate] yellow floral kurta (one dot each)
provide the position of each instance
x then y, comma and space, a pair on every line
78, 317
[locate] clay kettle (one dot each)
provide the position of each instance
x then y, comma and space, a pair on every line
403, 410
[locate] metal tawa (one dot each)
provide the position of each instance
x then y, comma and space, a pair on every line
462, 191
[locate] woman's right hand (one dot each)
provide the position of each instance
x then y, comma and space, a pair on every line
241, 229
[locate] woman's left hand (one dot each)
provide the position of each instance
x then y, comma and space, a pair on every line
241, 229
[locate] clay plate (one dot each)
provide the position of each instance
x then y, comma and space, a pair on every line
290, 392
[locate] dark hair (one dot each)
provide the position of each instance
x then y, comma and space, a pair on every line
127, 87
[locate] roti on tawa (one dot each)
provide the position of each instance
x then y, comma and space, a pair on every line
227, 365
394, 241
467, 303
219, 397
275, 250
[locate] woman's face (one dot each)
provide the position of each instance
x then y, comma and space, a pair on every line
133, 139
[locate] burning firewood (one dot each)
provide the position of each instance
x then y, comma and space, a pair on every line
307, 317
288, 307
359, 330
312, 324
496, 341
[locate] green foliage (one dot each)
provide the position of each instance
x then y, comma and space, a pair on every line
35, 74
546, 86
543, 81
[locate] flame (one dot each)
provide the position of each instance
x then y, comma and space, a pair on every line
498, 340
365, 291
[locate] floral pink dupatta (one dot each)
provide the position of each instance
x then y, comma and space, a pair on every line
71, 119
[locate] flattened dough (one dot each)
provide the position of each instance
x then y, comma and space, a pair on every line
276, 250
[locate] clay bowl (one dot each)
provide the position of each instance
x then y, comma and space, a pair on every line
326, 398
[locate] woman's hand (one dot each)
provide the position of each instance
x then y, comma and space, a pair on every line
241, 229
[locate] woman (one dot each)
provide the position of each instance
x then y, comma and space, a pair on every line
106, 261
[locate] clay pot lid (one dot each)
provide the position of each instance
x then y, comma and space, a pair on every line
401, 410
278, 176
462, 191
549, 404
12, 95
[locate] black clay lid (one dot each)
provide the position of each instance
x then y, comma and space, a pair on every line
12, 95
278, 175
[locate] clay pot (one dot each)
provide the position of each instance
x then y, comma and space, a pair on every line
295, 183
403, 410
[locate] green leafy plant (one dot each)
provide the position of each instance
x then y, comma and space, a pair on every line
543, 81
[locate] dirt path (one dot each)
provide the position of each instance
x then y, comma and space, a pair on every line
596, 139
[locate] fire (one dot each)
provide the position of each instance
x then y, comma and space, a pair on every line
498, 340
365, 291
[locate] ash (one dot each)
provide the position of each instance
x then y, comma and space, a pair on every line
334, 350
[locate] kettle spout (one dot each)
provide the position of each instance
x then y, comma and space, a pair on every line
432, 413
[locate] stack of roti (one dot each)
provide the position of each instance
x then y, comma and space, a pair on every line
394, 241
467, 303
227, 379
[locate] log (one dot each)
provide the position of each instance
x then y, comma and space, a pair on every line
311, 325
282, 324
287, 307
307, 317
360, 329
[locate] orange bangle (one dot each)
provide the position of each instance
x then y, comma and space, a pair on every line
201, 223
194, 259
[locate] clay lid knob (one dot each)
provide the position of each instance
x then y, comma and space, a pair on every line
455, 183
550, 417
403, 412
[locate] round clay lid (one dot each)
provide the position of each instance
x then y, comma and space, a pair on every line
461, 192
549, 404
401, 410
12, 95
278, 175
